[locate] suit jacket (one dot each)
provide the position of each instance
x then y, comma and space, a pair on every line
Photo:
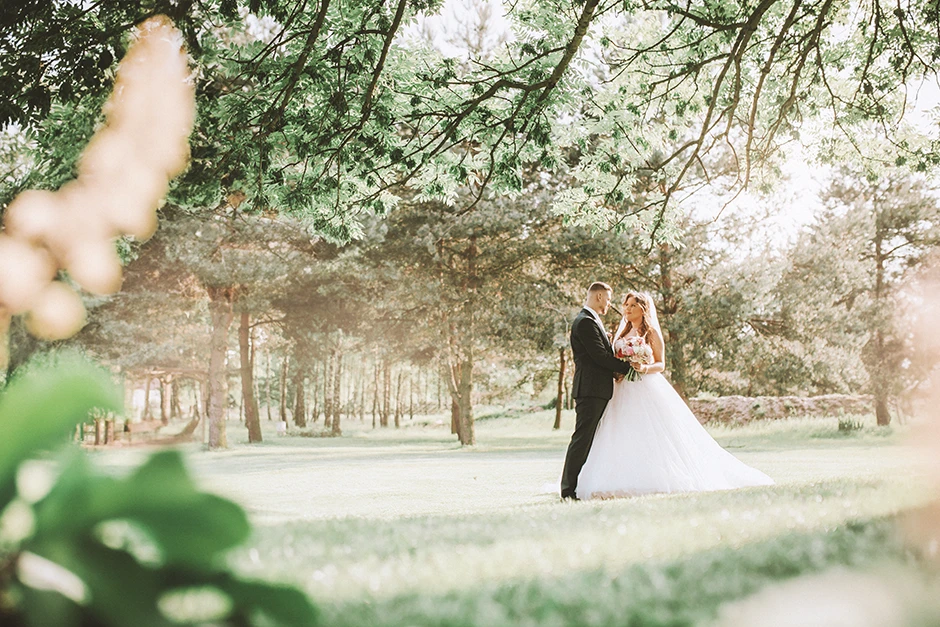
594, 361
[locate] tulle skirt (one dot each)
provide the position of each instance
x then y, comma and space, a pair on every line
649, 441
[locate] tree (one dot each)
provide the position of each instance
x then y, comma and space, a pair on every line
336, 112
233, 266
330, 111
842, 288
899, 224
155, 327
480, 282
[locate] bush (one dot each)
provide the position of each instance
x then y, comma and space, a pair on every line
80, 547
849, 425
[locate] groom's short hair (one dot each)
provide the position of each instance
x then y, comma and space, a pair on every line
597, 286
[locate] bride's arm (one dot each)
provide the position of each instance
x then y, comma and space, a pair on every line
659, 357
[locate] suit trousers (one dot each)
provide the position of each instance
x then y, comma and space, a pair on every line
588, 410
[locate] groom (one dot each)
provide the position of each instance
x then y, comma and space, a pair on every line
595, 365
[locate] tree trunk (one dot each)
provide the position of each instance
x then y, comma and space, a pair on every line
460, 333
882, 415
267, 384
328, 368
459, 379
440, 397
337, 393
362, 393
386, 393
678, 361
398, 401
220, 311
880, 376
879, 380
20, 345
316, 398
199, 405
300, 417
164, 401
411, 398
460, 384
146, 414
568, 381
467, 435
455, 417
282, 409
252, 417
375, 395
255, 382
175, 410
560, 397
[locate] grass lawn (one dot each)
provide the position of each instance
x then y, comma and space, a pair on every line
404, 527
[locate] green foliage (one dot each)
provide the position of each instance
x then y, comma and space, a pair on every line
842, 289
83, 547
85, 48
331, 112
38, 408
672, 593
848, 425
556, 156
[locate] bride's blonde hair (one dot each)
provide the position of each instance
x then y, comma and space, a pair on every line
642, 299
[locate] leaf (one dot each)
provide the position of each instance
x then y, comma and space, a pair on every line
38, 408
284, 605
190, 527
49, 608
122, 591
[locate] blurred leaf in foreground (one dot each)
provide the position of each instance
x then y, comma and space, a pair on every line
145, 549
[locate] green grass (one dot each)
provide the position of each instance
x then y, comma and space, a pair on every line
404, 527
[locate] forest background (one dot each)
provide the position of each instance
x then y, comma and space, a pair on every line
387, 215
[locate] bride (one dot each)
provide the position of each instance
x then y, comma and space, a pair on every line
647, 439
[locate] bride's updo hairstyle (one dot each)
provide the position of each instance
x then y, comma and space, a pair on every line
643, 300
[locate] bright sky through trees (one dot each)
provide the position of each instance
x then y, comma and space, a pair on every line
791, 198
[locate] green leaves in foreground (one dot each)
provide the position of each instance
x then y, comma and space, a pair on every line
147, 549
39, 408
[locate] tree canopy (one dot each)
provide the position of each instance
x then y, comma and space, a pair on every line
327, 109
519, 167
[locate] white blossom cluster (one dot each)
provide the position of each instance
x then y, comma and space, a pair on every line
123, 175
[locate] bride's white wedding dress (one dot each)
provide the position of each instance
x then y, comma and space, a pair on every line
649, 441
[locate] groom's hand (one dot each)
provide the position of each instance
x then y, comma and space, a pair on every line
618, 377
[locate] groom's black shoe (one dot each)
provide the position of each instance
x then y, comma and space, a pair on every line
569, 497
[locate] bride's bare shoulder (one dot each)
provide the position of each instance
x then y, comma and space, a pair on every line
654, 335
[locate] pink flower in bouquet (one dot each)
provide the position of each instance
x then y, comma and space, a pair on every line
635, 350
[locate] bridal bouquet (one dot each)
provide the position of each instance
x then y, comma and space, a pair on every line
634, 350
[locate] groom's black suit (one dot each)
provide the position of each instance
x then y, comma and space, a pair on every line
594, 368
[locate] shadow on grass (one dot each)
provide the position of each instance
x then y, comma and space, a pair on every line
676, 593
552, 518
